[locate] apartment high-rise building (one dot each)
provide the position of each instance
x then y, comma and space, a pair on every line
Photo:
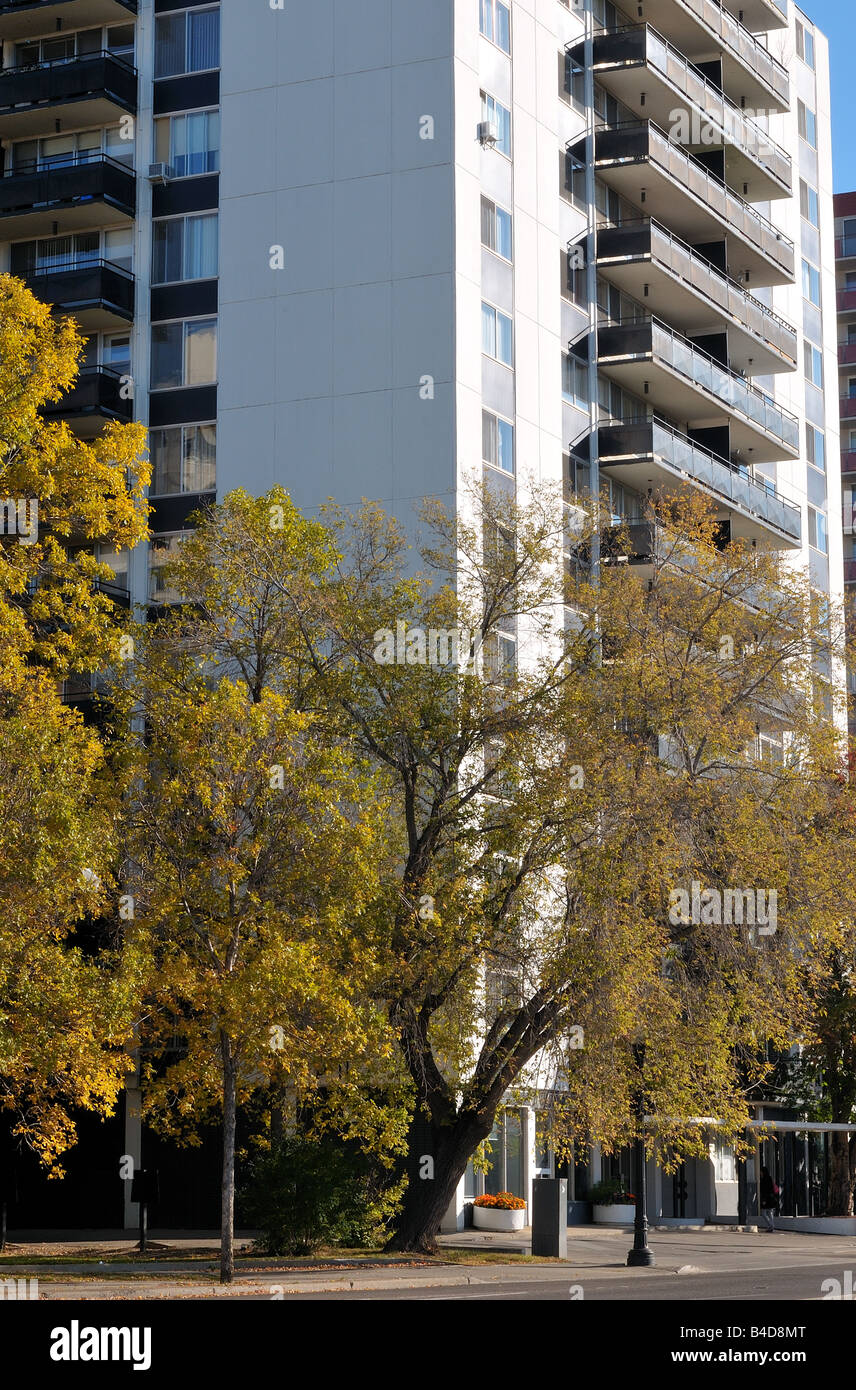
845, 294
364, 247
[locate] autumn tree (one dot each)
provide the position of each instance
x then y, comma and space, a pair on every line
555, 782
253, 846
65, 1015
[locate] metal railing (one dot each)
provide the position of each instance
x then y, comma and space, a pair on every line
722, 115
47, 63
728, 480
614, 145
698, 367
707, 279
69, 266
743, 45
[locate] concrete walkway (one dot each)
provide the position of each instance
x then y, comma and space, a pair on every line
593, 1252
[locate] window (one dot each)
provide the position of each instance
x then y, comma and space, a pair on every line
811, 283
184, 459
495, 23
60, 151
492, 110
500, 651
162, 550
497, 442
809, 206
188, 41
805, 44
850, 280
573, 179
815, 447
573, 276
111, 350
724, 1162
118, 560
575, 381
813, 361
184, 248
807, 124
120, 41
572, 81
817, 530
189, 144
496, 228
184, 353
496, 334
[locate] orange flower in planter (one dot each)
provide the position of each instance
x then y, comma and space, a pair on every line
501, 1201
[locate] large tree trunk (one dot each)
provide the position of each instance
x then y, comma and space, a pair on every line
427, 1197
840, 1176
227, 1190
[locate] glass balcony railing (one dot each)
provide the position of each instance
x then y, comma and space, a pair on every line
635, 141
648, 237
717, 119
728, 31
639, 338
626, 440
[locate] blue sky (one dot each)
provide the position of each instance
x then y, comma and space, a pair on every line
837, 19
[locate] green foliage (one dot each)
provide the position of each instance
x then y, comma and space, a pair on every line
306, 1193
610, 1192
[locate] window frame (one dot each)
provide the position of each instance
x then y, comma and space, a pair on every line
812, 434
497, 315
490, 203
812, 273
486, 99
166, 323
497, 421
172, 116
192, 11
490, 7
185, 425
184, 218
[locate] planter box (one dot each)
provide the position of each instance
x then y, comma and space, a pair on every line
494, 1219
616, 1214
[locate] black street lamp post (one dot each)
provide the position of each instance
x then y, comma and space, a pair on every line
641, 1254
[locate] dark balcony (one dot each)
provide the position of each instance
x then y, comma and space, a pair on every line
680, 285
845, 248
685, 383
99, 295
653, 454
94, 400
96, 90
20, 19
848, 461
639, 67
639, 160
850, 571
702, 28
65, 196
846, 301
847, 354
847, 408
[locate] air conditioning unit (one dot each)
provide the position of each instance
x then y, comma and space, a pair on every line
158, 173
487, 133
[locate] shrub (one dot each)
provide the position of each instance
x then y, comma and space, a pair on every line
609, 1192
306, 1193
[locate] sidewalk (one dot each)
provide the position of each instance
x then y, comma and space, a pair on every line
592, 1251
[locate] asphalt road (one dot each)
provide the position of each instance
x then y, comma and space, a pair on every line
792, 1284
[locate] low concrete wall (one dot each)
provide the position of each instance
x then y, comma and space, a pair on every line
818, 1225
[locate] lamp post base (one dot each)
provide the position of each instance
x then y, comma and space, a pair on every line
643, 1257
